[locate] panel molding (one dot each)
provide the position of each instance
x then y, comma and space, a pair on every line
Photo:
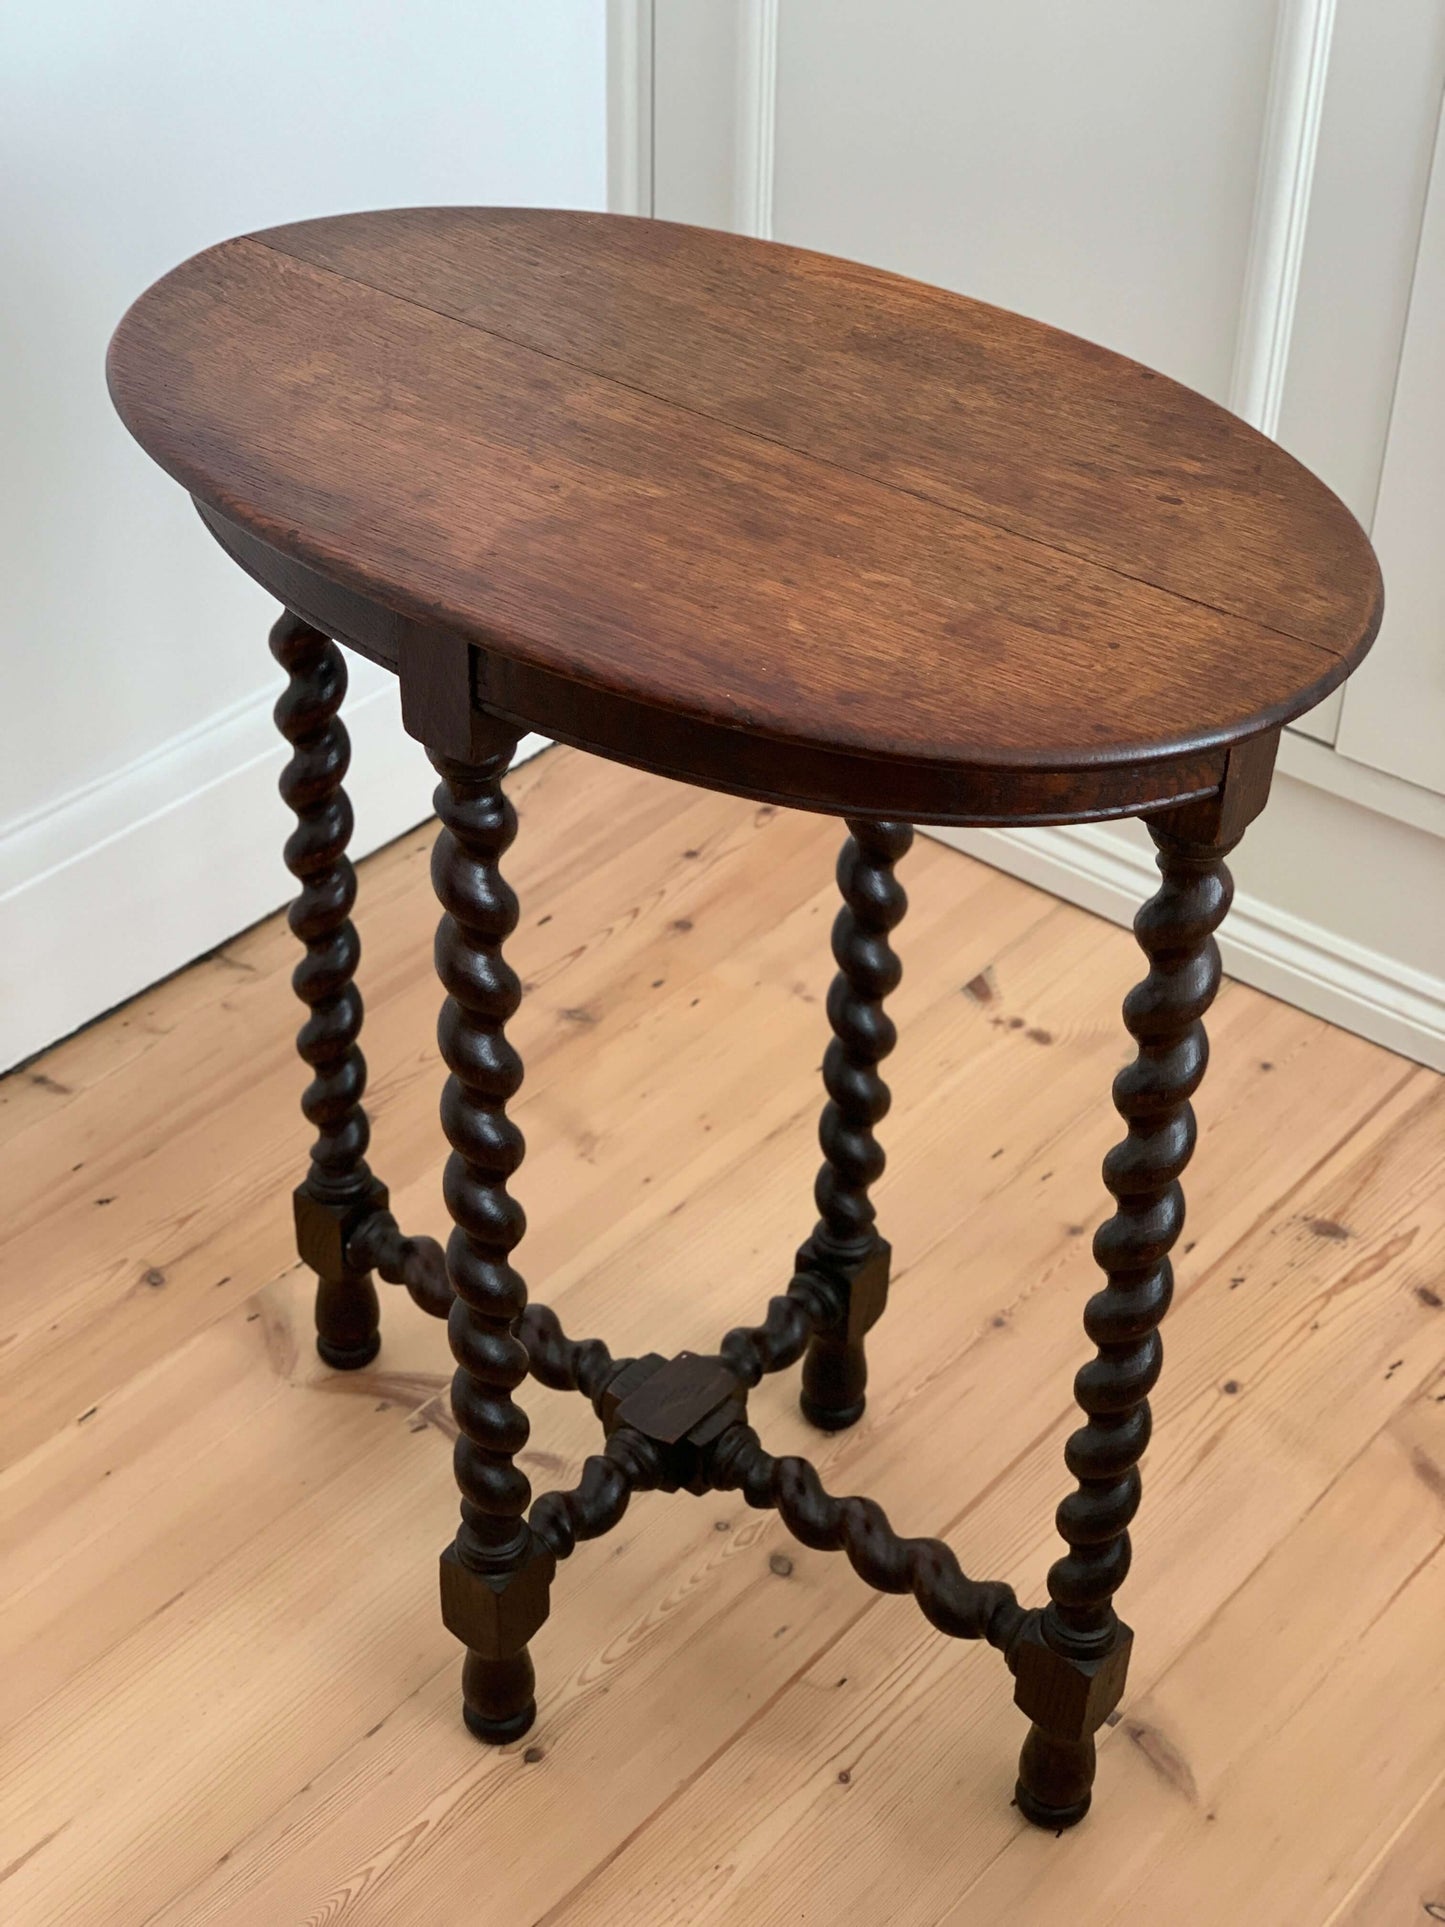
1288, 150
757, 122
1394, 715
118, 884
1307, 965
630, 30
1324, 768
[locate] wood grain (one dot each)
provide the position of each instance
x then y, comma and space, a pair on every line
890, 524
228, 1695
1009, 421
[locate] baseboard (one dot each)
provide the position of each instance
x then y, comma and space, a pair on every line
115, 886
1303, 963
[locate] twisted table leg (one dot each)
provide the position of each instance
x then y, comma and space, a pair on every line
497, 1574
1071, 1665
845, 1248
339, 1188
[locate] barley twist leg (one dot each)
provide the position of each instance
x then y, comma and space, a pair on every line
1071, 1670
496, 1575
339, 1188
845, 1248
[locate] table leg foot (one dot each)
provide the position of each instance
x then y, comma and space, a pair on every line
499, 1697
1056, 1778
348, 1321
829, 1372
339, 1360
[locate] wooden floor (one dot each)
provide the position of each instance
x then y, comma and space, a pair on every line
228, 1693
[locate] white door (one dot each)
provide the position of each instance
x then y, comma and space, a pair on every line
1233, 193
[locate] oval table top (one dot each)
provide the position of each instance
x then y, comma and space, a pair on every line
747, 513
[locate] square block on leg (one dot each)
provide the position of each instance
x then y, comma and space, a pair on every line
859, 1283
682, 1405
325, 1227
1071, 1698
624, 1383
494, 1614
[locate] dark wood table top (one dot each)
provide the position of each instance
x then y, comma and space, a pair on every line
751, 514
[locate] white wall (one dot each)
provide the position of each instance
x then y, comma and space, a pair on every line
137, 824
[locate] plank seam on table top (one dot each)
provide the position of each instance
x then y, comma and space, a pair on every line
805, 454
138, 382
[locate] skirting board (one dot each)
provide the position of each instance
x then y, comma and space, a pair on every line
117, 885
1302, 963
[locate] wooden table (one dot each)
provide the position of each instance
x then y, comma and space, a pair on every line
790, 527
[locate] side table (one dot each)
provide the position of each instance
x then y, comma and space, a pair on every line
789, 527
